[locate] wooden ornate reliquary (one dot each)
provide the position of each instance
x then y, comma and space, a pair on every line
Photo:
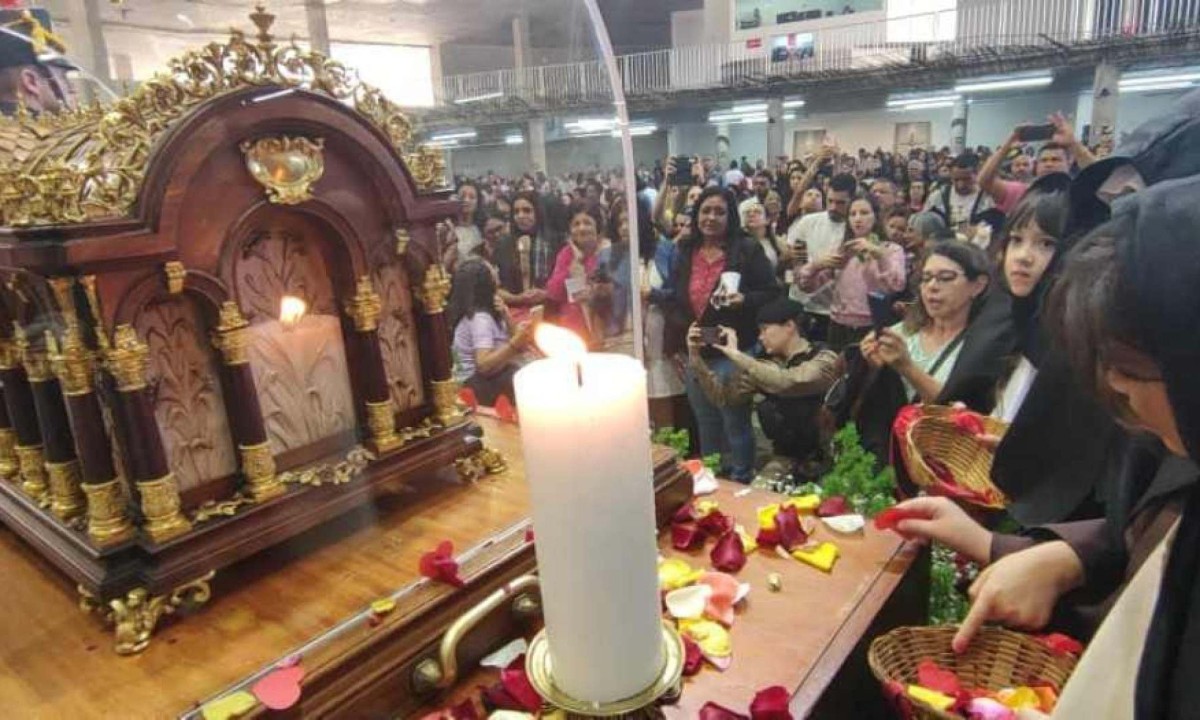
221, 321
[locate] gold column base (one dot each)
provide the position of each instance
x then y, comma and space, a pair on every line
160, 506
482, 463
381, 422
33, 471
66, 495
107, 520
445, 401
642, 705
9, 467
258, 466
135, 616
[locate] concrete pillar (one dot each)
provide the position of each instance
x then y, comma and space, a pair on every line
1105, 94
536, 144
520, 35
84, 37
958, 126
774, 131
318, 26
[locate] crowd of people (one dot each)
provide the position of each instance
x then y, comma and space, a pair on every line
1053, 290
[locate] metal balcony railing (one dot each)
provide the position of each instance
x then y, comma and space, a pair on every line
976, 27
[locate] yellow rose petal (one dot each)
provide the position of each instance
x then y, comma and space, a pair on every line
766, 516
1022, 698
822, 557
805, 503
931, 698
712, 637
704, 508
231, 706
674, 574
383, 607
749, 544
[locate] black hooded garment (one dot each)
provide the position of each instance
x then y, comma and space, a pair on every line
1160, 265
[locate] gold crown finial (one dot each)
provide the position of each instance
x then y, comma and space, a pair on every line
263, 21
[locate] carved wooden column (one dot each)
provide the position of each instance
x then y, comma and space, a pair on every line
161, 512
18, 402
61, 466
74, 364
443, 388
364, 309
245, 414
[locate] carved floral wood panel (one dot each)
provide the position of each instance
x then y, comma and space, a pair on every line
398, 337
188, 405
279, 260
302, 382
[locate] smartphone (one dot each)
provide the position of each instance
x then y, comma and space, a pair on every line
683, 171
1036, 133
883, 315
710, 335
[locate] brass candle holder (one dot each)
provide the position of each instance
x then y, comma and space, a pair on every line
641, 705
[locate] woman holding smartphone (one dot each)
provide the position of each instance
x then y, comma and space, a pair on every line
701, 297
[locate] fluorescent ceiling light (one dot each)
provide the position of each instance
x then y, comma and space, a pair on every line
514, 140
922, 106
1004, 84
1130, 81
901, 101
442, 143
478, 98
750, 108
638, 130
459, 135
789, 116
1159, 86
793, 103
752, 119
591, 124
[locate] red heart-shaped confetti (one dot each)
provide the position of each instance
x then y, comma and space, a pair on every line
280, 689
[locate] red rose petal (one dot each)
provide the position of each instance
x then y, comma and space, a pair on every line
787, 525
439, 564
887, 519
767, 538
686, 536
728, 555
940, 470
969, 423
467, 397
497, 698
505, 410
716, 523
516, 683
933, 676
713, 711
279, 689
685, 513
693, 659
771, 704
1060, 644
832, 506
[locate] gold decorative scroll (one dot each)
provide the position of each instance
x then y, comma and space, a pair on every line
88, 164
175, 274
480, 464
286, 166
135, 616
343, 472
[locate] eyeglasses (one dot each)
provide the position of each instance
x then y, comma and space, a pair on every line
944, 277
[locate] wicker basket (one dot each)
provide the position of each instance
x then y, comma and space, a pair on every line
933, 434
997, 659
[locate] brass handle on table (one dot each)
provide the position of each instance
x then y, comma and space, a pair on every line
436, 673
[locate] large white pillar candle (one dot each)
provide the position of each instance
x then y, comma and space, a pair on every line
586, 438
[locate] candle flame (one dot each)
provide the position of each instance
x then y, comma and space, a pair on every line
291, 310
559, 343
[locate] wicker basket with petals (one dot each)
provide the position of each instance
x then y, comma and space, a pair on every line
996, 659
936, 436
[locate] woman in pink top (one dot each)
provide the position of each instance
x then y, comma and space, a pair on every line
865, 263
579, 284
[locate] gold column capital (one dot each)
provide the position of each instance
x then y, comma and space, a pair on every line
160, 506
435, 289
35, 360
445, 401
175, 274
258, 465
72, 363
8, 454
365, 306
32, 466
66, 495
10, 357
403, 238
107, 520
128, 359
231, 337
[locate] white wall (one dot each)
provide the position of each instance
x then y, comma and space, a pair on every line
687, 27
1133, 109
561, 155
990, 120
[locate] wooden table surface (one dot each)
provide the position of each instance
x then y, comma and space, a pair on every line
800, 637
57, 662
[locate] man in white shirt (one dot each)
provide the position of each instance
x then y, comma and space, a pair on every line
961, 202
815, 236
733, 176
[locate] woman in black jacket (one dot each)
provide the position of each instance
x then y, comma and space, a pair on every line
718, 248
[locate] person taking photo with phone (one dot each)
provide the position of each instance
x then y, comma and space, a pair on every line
1055, 156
